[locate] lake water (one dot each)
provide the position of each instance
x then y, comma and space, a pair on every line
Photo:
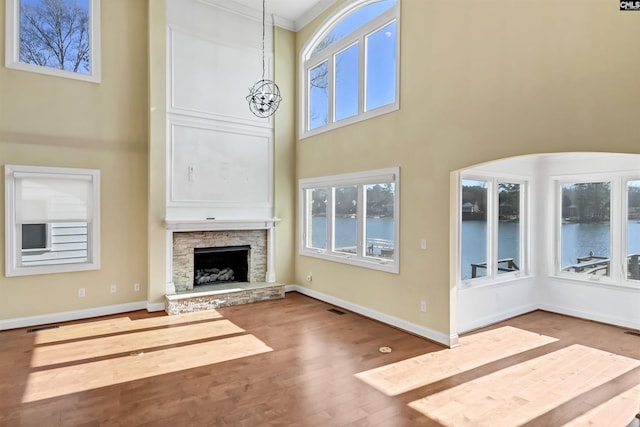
577, 239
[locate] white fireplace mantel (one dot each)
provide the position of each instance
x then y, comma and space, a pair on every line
213, 224
187, 225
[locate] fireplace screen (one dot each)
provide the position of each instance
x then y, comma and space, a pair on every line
223, 264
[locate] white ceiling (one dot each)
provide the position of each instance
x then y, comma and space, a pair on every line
289, 14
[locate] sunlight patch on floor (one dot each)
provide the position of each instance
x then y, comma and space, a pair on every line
475, 350
615, 412
111, 345
520, 393
88, 376
118, 325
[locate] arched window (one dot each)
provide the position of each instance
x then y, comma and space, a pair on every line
349, 67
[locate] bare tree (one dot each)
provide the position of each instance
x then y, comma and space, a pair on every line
55, 33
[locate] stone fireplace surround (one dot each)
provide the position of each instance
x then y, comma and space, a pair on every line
184, 244
183, 236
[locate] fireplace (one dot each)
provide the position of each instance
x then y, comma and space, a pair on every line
217, 265
189, 245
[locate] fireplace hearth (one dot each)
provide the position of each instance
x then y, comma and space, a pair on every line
217, 265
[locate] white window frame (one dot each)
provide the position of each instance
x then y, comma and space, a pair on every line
618, 228
13, 234
359, 36
359, 179
12, 48
492, 229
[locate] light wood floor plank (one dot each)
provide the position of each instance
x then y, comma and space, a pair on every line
494, 400
474, 351
110, 345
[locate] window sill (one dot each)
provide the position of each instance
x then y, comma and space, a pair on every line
371, 263
606, 283
480, 283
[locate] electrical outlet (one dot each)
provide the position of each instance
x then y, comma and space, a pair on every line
81, 292
423, 244
423, 306
309, 277
136, 287
114, 288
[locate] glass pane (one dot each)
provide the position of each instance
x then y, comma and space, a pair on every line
317, 218
55, 34
586, 228
381, 68
633, 230
379, 227
346, 221
352, 22
508, 227
474, 229
319, 95
346, 91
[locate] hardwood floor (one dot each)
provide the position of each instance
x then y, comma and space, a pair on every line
293, 362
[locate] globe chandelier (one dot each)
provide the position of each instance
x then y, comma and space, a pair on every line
264, 96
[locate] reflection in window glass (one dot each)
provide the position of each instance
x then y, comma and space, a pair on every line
381, 68
633, 230
319, 95
352, 22
317, 218
379, 226
345, 236
586, 228
346, 87
474, 229
508, 227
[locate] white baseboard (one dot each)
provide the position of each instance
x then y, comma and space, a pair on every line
450, 341
158, 306
22, 322
494, 318
598, 317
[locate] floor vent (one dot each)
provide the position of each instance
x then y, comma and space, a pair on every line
632, 333
336, 311
43, 328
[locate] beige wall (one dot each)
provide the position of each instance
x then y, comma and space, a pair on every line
284, 162
479, 81
52, 121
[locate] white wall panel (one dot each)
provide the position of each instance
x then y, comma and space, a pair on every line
214, 166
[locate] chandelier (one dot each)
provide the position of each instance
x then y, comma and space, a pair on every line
264, 96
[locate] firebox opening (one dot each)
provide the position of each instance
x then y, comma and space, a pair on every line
222, 264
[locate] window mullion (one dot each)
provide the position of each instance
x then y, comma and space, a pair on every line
331, 81
362, 84
492, 229
362, 221
331, 214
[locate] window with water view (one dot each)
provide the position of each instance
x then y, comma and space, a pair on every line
354, 223
490, 224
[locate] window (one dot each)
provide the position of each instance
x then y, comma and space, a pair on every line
52, 220
55, 37
352, 218
632, 265
350, 67
599, 231
492, 228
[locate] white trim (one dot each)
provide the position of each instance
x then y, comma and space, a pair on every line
12, 45
157, 306
22, 322
359, 180
13, 262
592, 315
360, 36
495, 318
439, 337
